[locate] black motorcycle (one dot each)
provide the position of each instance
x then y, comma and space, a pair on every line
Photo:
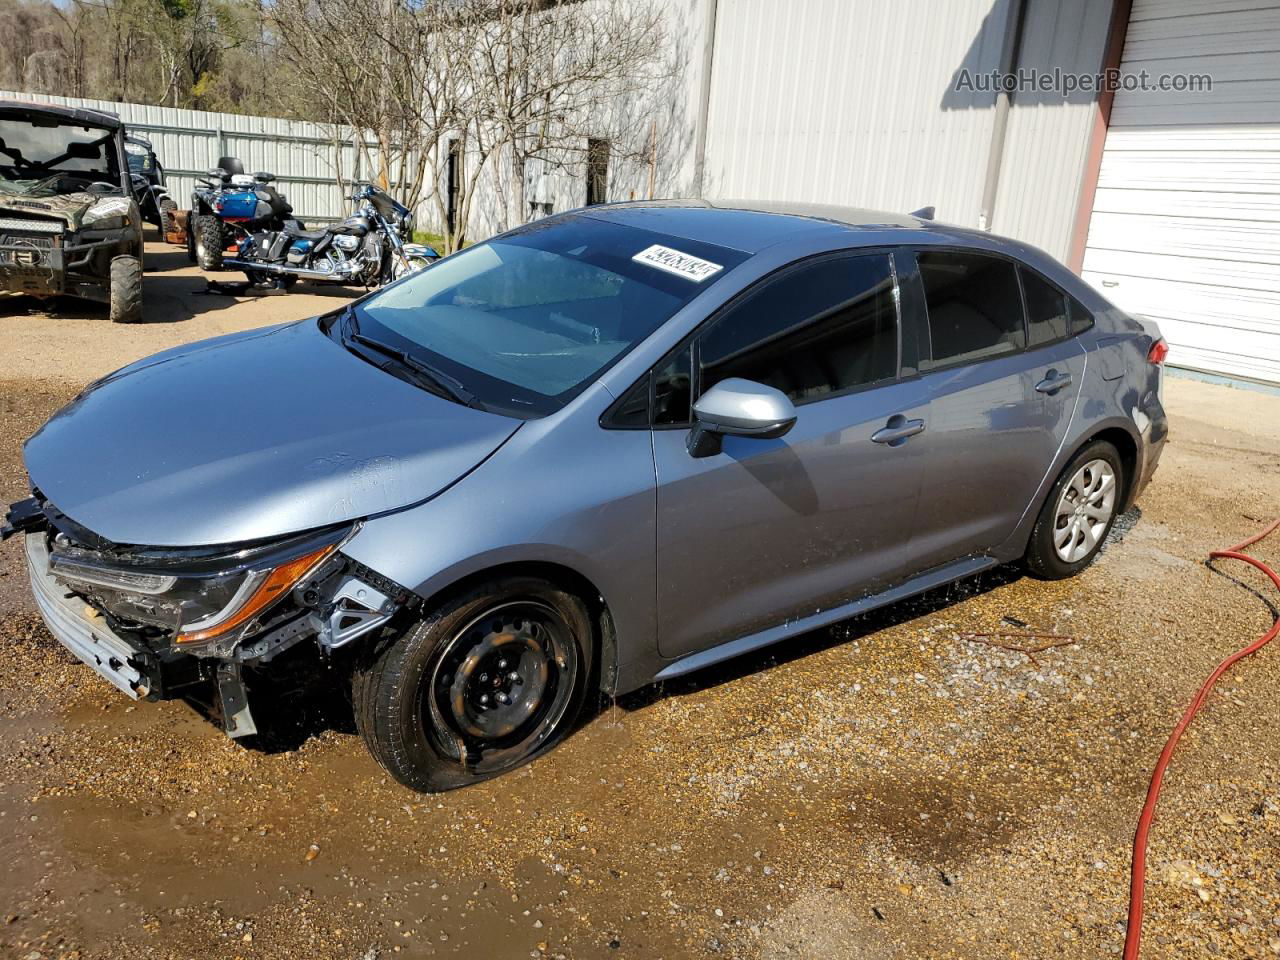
372, 247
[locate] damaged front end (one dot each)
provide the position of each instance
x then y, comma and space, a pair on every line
163, 622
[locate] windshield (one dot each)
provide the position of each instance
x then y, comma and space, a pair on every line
40, 160
526, 321
139, 157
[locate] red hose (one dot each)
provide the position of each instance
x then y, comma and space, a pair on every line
1137, 883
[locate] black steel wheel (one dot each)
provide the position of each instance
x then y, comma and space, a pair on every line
495, 678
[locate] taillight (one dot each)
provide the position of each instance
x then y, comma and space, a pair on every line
1159, 350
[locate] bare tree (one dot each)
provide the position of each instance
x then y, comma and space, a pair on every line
381, 69
552, 73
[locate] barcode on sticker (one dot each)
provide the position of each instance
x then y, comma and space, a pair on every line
681, 264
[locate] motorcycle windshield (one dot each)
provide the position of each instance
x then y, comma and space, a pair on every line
388, 206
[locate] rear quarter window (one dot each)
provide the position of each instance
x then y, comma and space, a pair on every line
1052, 313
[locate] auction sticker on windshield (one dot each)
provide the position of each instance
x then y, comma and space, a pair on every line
681, 264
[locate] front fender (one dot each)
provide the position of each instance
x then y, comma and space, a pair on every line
420, 250
561, 492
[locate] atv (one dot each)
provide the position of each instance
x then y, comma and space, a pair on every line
69, 220
224, 203
148, 184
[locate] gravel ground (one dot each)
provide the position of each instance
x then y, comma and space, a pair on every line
888, 789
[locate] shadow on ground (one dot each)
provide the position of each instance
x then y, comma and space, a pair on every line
287, 719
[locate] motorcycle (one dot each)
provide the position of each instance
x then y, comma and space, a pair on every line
225, 205
371, 247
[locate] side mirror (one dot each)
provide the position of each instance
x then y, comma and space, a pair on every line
264, 177
738, 408
217, 173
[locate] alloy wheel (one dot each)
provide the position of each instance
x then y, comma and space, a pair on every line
1084, 511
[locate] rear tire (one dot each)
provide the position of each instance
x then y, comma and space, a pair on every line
211, 240
492, 679
193, 224
1078, 514
166, 209
125, 305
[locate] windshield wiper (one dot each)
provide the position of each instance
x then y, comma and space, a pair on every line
437, 381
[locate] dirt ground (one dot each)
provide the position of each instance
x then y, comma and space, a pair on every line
72, 340
888, 789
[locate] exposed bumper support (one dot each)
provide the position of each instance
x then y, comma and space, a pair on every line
90, 639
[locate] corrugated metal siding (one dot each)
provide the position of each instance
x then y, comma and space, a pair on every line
189, 142
853, 102
1047, 143
1186, 222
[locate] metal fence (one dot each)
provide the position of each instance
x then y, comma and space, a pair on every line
302, 155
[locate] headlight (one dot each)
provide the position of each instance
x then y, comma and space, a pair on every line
215, 598
255, 591
111, 214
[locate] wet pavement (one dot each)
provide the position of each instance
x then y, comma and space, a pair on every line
893, 788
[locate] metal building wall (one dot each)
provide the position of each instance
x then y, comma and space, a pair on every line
853, 102
1047, 142
189, 142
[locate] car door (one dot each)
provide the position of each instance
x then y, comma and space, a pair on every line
998, 410
767, 530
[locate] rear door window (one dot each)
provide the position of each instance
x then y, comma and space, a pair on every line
974, 307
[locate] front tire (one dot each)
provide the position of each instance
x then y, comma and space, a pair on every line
211, 240
1078, 514
494, 678
193, 224
125, 304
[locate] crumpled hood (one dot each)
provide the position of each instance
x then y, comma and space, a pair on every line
250, 436
69, 207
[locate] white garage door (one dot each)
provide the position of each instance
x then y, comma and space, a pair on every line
1186, 221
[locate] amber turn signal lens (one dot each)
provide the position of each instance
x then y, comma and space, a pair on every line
278, 583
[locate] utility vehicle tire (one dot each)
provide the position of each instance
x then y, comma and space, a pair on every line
1078, 514
193, 224
211, 240
490, 680
125, 305
166, 210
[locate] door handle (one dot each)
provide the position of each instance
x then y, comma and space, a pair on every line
897, 430
1053, 382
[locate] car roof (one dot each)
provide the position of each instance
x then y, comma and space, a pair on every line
750, 226
92, 118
